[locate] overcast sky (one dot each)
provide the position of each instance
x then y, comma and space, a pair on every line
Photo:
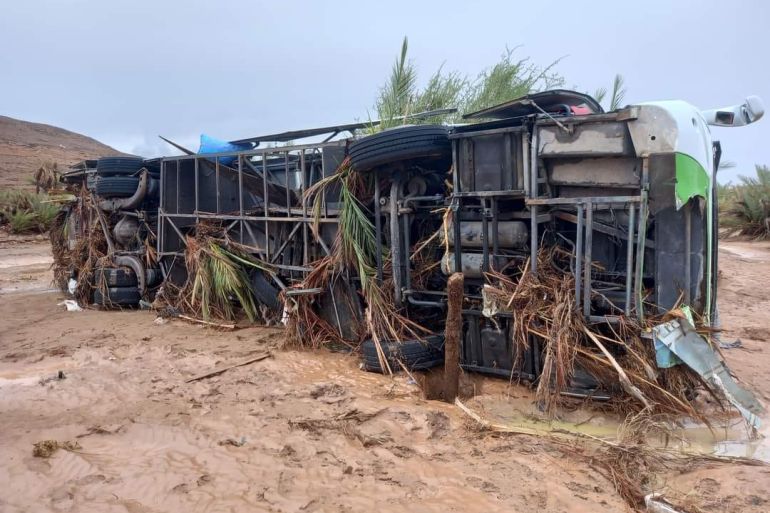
125, 71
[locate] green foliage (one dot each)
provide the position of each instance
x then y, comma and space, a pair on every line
398, 95
357, 237
220, 275
25, 211
618, 93
509, 78
22, 221
745, 206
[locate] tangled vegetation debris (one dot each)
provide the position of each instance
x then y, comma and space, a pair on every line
47, 448
355, 247
545, 309
218, 285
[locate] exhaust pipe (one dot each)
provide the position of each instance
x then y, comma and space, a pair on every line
132, 202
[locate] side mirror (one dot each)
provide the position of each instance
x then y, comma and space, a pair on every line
737, 115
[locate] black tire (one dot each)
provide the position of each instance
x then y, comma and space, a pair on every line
118, 166
116, 186
415, 355
118, 296
422, 145
115, 277
152, 167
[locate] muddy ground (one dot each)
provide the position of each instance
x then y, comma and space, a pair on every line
299, 431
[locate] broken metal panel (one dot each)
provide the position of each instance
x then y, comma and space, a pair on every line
681, 339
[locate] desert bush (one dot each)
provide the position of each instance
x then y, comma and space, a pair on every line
25, 212
745, 206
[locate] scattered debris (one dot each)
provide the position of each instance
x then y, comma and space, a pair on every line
233, 442
71, 305
47, 448
657, 504
99, 430
628, 462
737, 343
346, 423
208, 323
56, 377
217, 372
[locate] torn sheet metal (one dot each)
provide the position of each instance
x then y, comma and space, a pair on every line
683, 341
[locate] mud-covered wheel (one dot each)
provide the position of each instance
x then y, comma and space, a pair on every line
115, 277
116, 186
426, 146
118, 296
414, 354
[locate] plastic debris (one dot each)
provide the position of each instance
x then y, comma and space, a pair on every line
731, 345
71, 304
657, 504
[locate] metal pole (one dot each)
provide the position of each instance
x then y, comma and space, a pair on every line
587, 264
630, 256
240, 195
495, 232
176, 209
305, 241
195, 161
687, 252
484, 236
407, 252
378, 224
216, 180
641, 235
456, 207
395, 239
533, 239
579, 255
286, 177
265, 203
533, 186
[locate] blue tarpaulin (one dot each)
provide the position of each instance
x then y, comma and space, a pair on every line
212, 145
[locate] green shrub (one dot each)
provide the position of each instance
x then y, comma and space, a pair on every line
23, 222
743, 207
25, 211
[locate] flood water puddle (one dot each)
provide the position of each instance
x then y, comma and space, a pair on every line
728, 437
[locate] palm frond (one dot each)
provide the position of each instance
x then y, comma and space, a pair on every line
618, 92
397, 96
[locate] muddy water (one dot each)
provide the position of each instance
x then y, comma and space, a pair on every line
516, 410
301, 431
290, 433
25, 267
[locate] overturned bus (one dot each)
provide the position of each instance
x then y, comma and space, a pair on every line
623, 203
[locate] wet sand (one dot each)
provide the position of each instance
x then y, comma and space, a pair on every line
300, 431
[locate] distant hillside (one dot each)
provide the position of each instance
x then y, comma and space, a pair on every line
24, 146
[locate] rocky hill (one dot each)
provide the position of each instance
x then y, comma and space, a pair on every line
24, 146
